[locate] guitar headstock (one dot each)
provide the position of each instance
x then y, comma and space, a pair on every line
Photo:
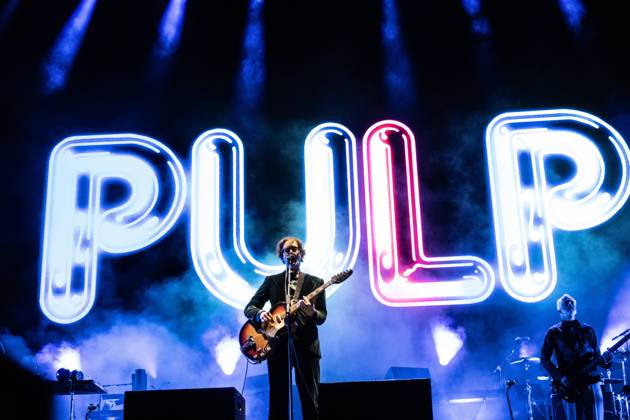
341, 277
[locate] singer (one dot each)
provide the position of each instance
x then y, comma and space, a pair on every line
304, 341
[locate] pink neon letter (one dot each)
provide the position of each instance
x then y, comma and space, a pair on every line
403, 275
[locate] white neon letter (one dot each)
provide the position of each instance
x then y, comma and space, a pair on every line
84, 218
229, 270
401, 274
530, 198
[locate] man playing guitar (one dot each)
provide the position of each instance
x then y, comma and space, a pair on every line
578, 393
305, 349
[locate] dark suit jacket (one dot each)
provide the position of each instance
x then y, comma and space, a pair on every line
272, 290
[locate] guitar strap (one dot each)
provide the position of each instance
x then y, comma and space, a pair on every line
298, 287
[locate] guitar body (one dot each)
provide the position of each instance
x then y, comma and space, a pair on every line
577, 387
258, 344
585, 377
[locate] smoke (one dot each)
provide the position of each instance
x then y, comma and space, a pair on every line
618, 317
54, 357
15, 348
111, 356
225, 348
182, 338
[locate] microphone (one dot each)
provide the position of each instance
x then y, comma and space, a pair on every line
521, 339
509, 383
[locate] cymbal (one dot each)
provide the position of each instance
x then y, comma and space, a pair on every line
531, 360
613, 381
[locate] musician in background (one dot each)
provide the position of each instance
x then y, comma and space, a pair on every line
306, 351
574, 345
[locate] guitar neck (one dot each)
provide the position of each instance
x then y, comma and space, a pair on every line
320, 289
314, 294
612, 349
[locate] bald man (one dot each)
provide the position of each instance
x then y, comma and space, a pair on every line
574, 345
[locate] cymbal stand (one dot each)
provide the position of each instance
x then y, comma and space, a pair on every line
530, 412
608, 385
623, 397
620, 403
499, 368
71, 402
616, 404
509, 383
528, 388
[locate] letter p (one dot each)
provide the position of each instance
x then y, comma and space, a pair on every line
114, 193
555, 169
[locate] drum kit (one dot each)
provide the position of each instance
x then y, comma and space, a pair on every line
617, 386
532, 388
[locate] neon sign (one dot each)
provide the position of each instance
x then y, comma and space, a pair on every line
407, 277
527, 206
331, 239
81, 222
84, 219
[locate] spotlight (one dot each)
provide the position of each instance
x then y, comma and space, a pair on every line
448, 341
76, 376
63, 375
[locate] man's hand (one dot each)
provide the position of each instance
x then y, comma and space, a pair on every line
264, 316
306, 307
607, 357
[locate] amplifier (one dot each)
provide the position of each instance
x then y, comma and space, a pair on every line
202, 403
394, 399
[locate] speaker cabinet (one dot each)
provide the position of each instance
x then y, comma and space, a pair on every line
203, 403
394, 399
22, 393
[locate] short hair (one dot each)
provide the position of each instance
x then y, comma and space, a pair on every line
282, 241
565, 298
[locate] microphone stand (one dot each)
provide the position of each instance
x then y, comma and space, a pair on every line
499, 368
508, 384
288, 323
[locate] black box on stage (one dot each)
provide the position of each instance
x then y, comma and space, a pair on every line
395, 399
202, 403
22, 393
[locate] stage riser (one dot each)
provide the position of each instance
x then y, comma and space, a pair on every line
390, 399
203, 403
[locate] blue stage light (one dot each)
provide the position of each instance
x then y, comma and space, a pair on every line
252, 75
573, 11
478, 23
398, 78
66, 46
448, 341
6, 12
170, 28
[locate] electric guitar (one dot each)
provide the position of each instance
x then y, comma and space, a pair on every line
258, 343
579, 382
